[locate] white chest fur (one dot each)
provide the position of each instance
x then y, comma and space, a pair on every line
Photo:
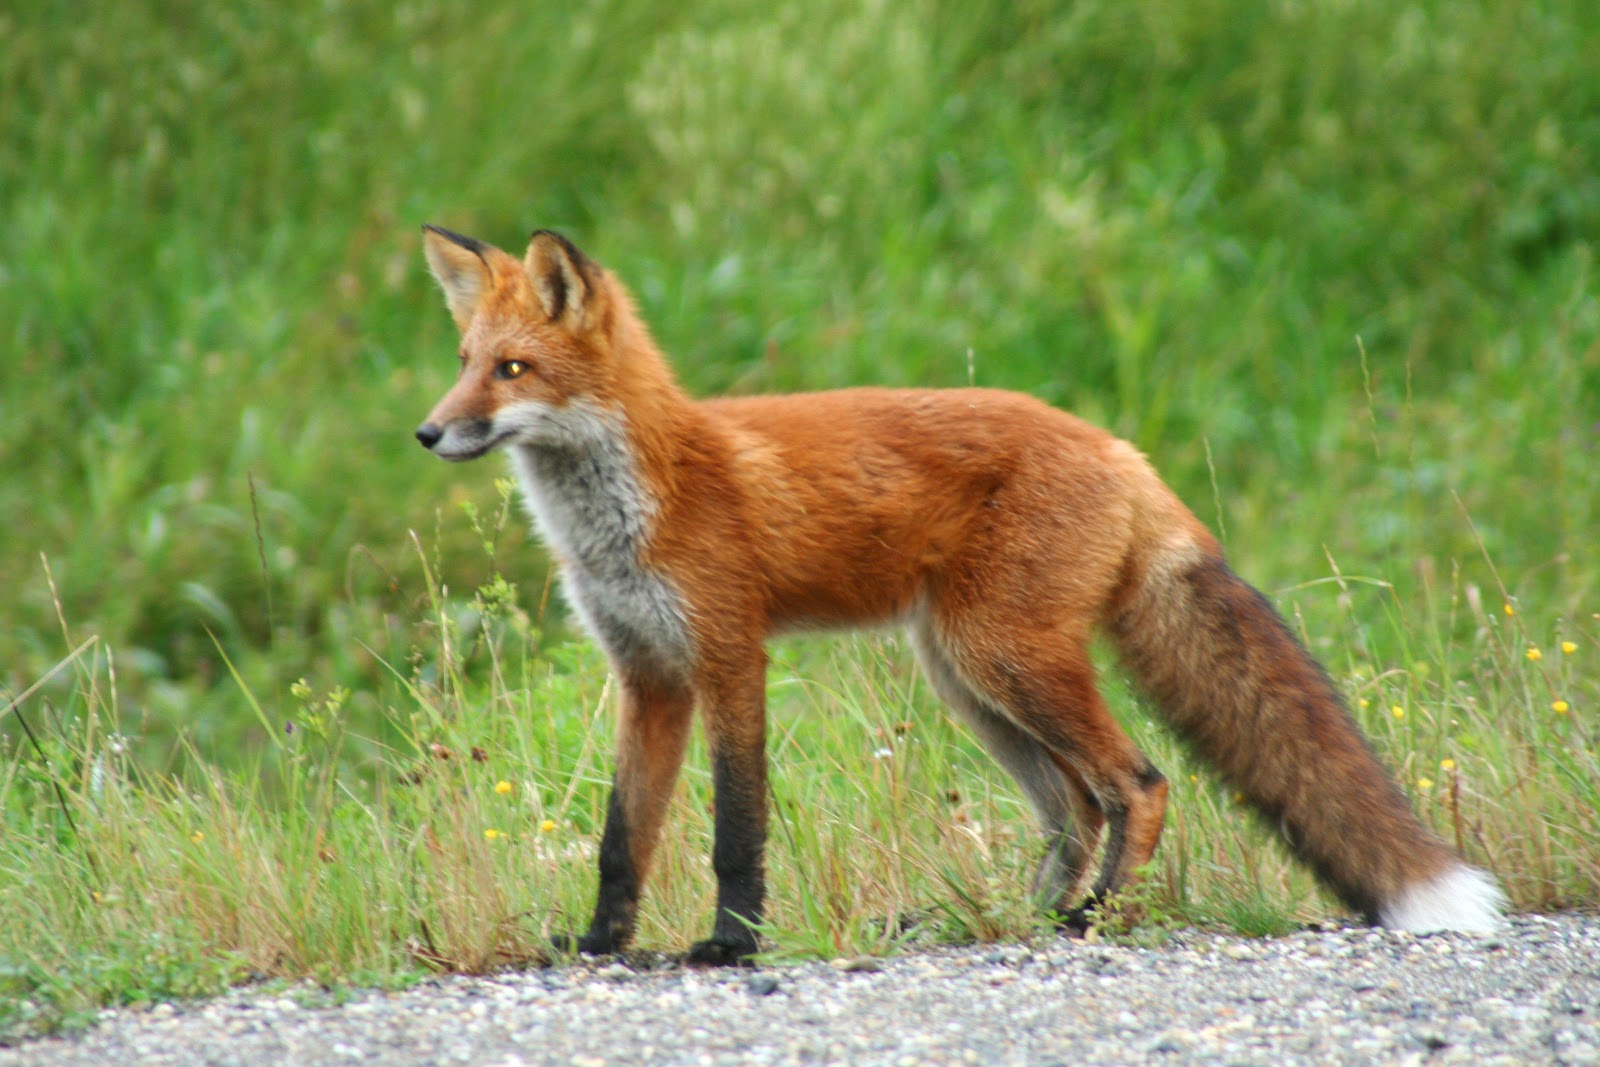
594, 512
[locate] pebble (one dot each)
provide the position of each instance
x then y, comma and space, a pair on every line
1528, 995
858, 965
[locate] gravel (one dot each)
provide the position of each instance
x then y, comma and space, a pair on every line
1530, 995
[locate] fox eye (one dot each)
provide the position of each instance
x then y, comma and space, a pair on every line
511, 368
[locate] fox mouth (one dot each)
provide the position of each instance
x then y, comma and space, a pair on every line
472, 451
458, 443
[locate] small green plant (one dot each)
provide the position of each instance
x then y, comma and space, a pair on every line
1140, 914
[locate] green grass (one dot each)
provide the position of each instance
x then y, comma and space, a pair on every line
1330, 265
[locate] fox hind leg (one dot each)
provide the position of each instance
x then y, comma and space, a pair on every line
1055, 700
1063, 867
1067, 811
1044, 686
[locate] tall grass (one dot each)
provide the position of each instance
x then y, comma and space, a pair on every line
466, 842
1331, 265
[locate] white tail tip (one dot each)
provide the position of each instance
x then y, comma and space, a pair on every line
1463, 899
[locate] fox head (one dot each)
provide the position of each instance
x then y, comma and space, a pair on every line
536, 343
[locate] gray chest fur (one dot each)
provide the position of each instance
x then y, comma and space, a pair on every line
590, 507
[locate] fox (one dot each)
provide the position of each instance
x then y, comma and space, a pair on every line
1000, 532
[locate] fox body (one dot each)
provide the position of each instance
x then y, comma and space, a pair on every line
999, 531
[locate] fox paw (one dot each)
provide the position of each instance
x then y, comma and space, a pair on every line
715, 953
1076, 921
588, 945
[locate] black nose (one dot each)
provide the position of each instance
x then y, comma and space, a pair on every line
429, 434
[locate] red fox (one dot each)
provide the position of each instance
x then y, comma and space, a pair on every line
997, 530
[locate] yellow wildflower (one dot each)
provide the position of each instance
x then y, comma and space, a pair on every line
1424, 783
1510, 610
1398, 711
1447, 765
547, 826
1534, 655
197, 837
502, 787
1569, 647
1560, 707
492, 835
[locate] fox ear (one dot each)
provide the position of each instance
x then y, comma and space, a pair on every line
561, 275
461, 266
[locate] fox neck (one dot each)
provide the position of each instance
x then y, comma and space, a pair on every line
592, 489
585, 493
595, 507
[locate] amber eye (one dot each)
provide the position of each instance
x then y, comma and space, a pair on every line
511, 368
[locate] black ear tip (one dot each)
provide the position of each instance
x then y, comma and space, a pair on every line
561, 241
471, 244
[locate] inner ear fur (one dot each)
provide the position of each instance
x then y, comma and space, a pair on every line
461, 266
563, 277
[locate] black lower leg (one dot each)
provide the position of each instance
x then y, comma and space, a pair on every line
1076, 921
1116, 868
737, 858
617, 902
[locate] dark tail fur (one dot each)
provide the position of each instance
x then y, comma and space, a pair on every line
1230, 676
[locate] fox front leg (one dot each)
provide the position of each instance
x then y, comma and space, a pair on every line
653, 728
735, 710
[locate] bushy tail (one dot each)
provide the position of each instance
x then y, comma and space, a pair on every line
1230, 676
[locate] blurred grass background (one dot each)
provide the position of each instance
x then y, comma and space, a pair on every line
1330, 263
1184, 221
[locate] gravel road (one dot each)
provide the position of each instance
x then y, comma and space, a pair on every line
1528, 996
